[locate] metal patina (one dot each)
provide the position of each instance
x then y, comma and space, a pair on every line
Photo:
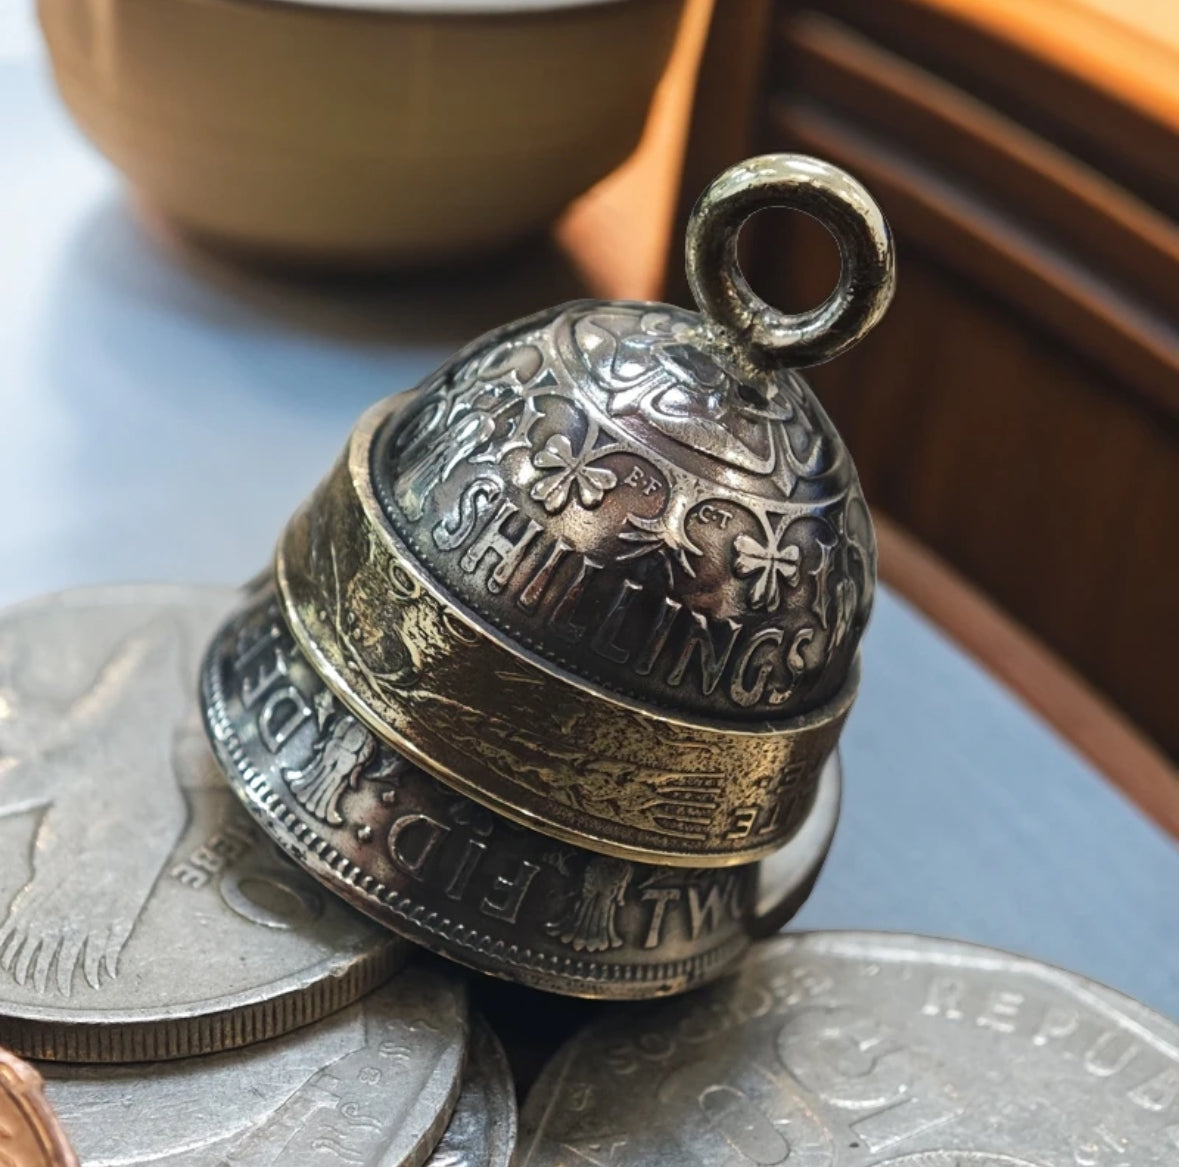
607, 571
375, 1083
482, 1130
30, 1134
449, 874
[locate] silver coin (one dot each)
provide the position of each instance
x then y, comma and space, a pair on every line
142, 914
371, 1086
861, 1050
482, 1130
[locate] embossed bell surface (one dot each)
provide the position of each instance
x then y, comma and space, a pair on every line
615, 562
602, 486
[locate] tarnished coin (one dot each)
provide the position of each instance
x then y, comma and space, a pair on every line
142, 915
371, 1086
30, 1135
446, 872
491, 720
867, 1050
482, 1131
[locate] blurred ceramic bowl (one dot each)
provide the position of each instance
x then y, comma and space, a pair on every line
368, 133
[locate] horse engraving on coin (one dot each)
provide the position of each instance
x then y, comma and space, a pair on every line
117, 832
107, 744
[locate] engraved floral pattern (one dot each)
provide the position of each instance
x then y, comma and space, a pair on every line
658, 365
641, 469
821, 575
771, 564
568, 472
666, 535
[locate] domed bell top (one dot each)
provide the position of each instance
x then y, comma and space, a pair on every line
641, 509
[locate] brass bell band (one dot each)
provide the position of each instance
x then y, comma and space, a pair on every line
506, 728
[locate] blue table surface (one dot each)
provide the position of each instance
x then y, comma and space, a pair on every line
161, 420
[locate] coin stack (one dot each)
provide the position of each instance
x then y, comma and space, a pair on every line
562, 646
548, 678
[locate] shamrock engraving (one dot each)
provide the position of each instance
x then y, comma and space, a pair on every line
773, 563
568, 472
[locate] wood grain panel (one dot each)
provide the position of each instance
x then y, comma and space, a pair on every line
1018, 410
1072, 707
1127, 337
725, 112
1035, 476
1105, 93
1072, 204
1117, 48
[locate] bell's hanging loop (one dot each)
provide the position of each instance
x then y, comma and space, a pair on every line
800, 183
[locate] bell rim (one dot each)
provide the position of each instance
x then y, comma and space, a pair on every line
582, 975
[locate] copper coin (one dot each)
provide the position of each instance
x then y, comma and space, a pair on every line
30, 1135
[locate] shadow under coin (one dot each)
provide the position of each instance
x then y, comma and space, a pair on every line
446, 305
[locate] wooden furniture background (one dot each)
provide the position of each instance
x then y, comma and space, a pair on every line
1018, 410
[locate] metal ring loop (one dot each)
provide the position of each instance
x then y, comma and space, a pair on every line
801, 183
